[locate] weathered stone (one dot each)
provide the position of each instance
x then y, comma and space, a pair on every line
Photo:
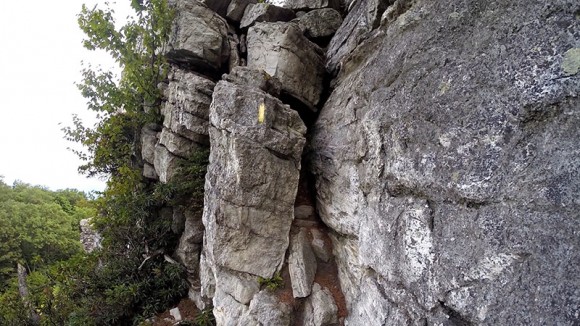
252, 179
320, 23
248, 77
267, 309
321, 250
149, 136
363, 18
149, 172
228, 311
447, 206
311, 4
176, 144
186, 109
237, 8
166, 164
265, 12
199, 38
320, 308
284, 52
90, 239
206, 276
235, 53
302, 265
241, 286
189, 248
304, 212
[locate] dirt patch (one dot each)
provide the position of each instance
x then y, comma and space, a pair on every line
187, 309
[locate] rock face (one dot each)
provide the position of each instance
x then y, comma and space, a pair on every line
440, 176
90, 239
446, 161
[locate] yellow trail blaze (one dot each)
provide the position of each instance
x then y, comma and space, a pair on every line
261, 113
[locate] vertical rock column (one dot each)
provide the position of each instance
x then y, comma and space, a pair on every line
251, 183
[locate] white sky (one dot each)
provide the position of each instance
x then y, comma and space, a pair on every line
40, 59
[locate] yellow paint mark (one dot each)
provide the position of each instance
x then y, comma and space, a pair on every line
261, 113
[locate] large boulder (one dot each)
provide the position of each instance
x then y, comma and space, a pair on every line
446, 163
251, 184
199, 39
321, 23
284, 52
320, 308
236, 9
252, 179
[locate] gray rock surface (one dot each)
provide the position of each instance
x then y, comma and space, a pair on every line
90, 238
319, 246
199, 38
267, 309
149, 172
251, 185
320, 23
252, 179
166, 164
284, 52
186, 108
237, 8
265, 12
446, 163
301, 264
320, 308
364, 17
311, 4
254, 78
176, 144
149, 137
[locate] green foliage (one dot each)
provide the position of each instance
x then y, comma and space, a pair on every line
123, 106
38, 227
272, 283
205, 318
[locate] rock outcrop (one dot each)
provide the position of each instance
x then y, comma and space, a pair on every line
446, 162
372, 162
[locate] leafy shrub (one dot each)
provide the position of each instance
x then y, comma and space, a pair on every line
272, 283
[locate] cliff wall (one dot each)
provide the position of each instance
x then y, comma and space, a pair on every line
378, 162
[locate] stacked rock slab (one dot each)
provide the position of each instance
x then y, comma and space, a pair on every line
447, 163
199, 39
282, 50
256, 146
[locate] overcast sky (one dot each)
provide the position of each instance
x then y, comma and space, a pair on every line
40, 59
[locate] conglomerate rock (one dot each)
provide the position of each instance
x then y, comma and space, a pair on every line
447, 163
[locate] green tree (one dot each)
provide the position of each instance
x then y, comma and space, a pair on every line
38, 227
